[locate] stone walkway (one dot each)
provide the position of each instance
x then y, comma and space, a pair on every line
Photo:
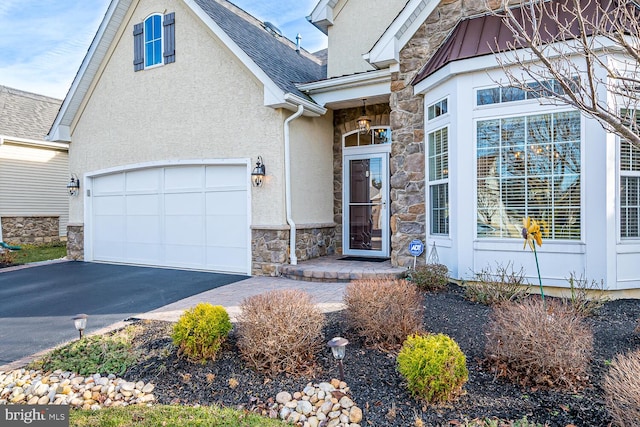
328, 296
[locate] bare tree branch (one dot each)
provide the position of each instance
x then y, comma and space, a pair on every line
581, 53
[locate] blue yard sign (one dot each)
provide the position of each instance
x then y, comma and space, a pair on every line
416, 247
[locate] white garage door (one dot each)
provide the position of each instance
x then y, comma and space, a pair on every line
178, 216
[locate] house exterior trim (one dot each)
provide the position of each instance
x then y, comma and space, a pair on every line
386, 51
33, 142
60, 130
322, 15
338, 90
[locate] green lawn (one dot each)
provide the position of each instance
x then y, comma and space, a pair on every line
34, 253
155, 416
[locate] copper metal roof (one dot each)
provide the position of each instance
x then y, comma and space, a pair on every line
486, 34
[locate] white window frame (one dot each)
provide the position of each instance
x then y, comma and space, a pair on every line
160, 39
497, 112
433, 104
622, 174
438, 182
367, 135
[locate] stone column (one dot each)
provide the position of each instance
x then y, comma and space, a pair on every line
408, 200
75, 242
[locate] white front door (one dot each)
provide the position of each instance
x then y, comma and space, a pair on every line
365, 214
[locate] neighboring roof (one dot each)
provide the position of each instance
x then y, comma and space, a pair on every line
26, 115
322, 55
274, 54
487, 34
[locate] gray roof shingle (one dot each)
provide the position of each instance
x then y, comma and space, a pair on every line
275, 55
26, 115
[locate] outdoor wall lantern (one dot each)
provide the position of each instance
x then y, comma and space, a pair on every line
338, 347
364, 122
258, 173
80, 322
74, 185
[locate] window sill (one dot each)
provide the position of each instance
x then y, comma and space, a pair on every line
551, 247
628, 246
440, 241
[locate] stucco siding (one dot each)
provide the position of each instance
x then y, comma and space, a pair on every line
312, 170
206, 105
357, 26
33, 182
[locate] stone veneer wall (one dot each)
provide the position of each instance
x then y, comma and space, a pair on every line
31, 229
407, 166
270, 246
75, 242
345, 121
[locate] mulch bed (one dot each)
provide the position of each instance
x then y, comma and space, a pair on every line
377, 387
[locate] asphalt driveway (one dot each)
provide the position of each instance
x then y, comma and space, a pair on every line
37, 303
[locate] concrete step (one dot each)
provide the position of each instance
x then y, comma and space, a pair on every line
333, 269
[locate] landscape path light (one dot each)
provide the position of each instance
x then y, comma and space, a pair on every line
338, 347
80, 322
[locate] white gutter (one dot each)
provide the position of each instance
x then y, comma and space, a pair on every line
287, 186
35, 142
363, 79
310, 109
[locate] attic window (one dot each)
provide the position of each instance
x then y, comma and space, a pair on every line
154, 41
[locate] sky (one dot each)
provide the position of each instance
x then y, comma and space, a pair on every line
43, 42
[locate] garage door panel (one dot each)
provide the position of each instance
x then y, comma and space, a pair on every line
109, 205
108, 184
113, 251
183, 178
225, 176
144, 229
227, 203
221, 257
184, 230
145, 204
141, 253
182, 216
183, 204
109, 228
226, 230
145, 180
186, 256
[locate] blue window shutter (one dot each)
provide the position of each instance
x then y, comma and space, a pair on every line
169, 38
138, 47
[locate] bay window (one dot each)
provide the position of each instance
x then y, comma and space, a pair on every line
529, 166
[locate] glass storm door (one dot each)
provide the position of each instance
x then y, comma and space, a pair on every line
365, 213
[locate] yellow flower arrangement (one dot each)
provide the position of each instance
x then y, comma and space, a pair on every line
532, 235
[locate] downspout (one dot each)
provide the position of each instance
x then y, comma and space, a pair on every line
293, 259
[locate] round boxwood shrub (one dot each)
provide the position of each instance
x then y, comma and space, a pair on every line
434, 367
200, 331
